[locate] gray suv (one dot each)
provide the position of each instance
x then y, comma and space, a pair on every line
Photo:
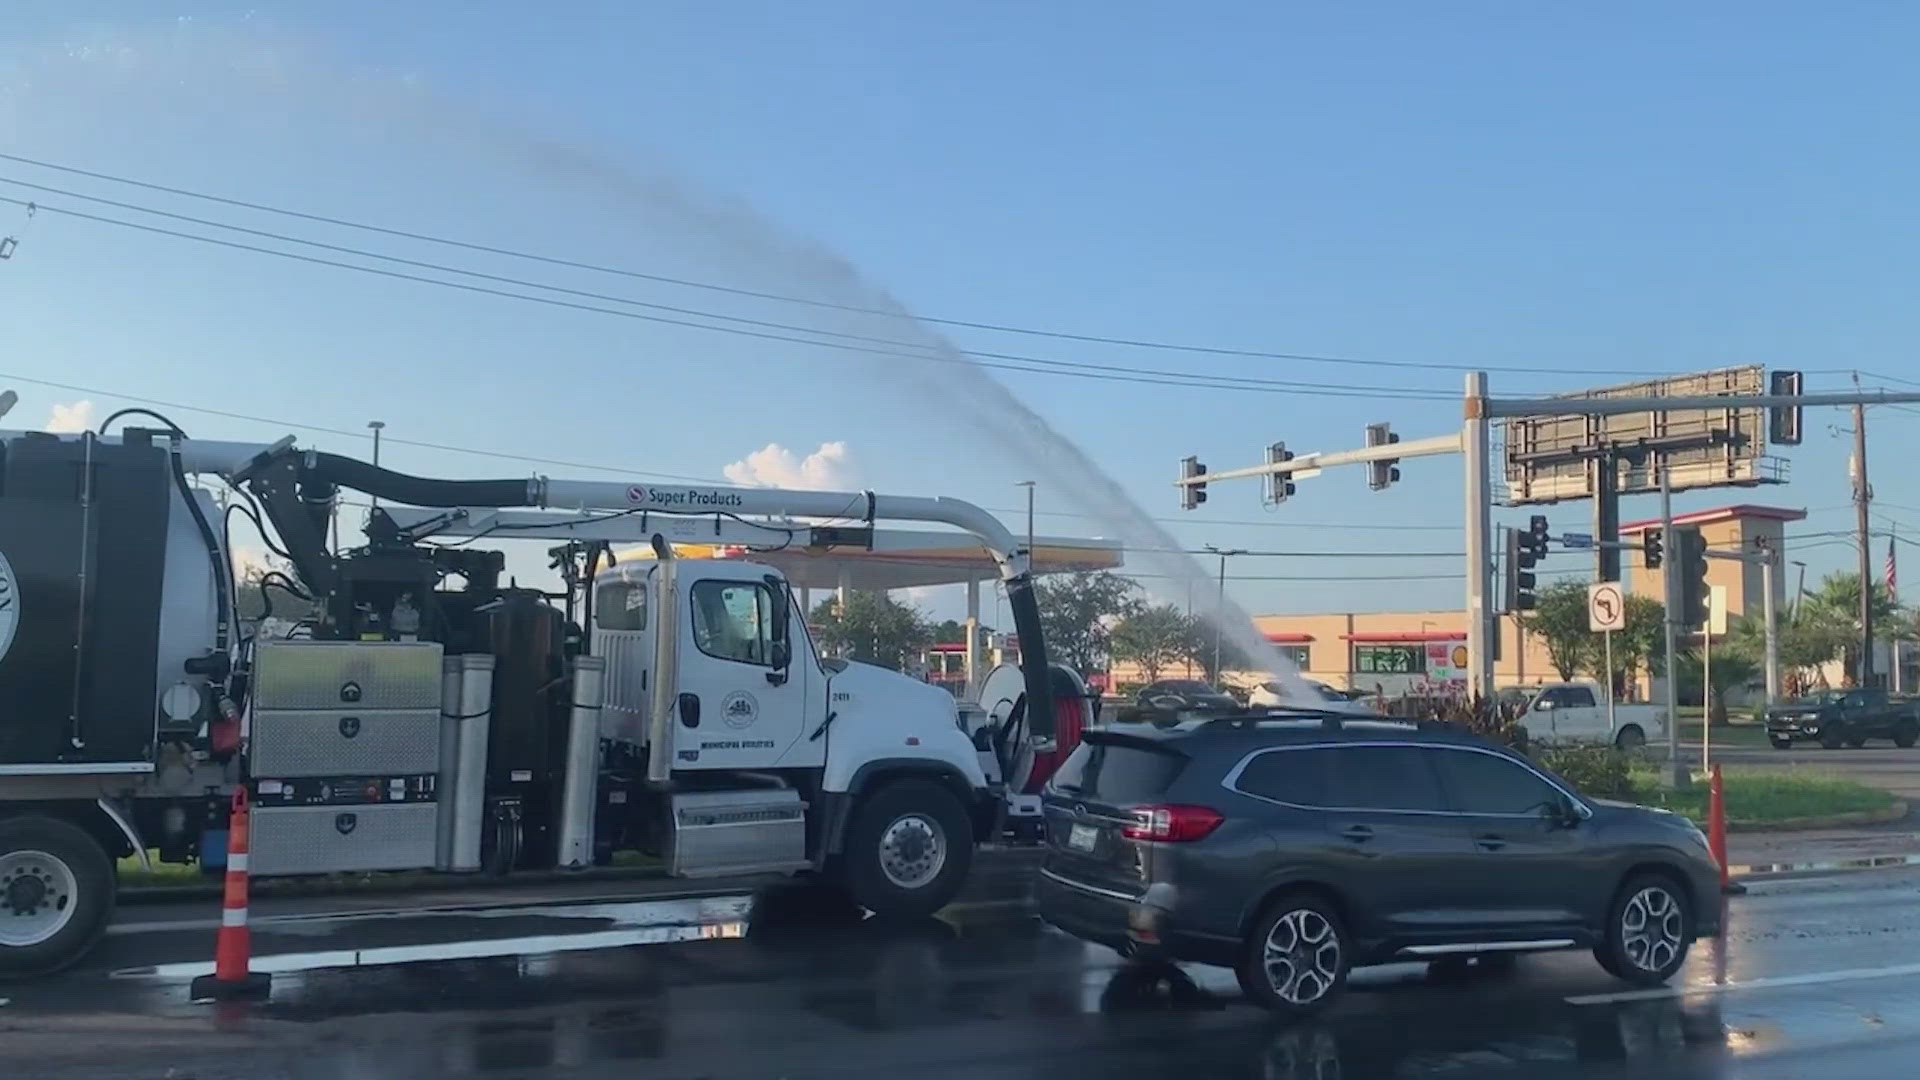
1293, 849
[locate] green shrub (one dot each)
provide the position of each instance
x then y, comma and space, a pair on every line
1599, 772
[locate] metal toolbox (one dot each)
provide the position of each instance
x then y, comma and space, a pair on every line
329, 839
338, 742
738, 832
347, 674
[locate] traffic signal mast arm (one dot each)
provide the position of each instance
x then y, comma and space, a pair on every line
1304, 465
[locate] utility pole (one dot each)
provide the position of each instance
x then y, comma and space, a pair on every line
1220, 605
1771, 618
1862, 498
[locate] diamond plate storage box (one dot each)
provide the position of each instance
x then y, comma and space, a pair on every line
341, 742
344, 748
346, 674
346, 708
331, 839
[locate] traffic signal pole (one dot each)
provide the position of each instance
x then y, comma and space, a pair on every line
1677, 775
1476, 442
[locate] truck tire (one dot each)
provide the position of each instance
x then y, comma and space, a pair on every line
1630, 738
56, 892
1906, 733
907, 850
1781, 744
1831, 739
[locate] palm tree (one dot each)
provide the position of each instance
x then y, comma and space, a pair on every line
1831, 615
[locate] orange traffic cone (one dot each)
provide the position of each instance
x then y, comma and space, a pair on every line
233, 951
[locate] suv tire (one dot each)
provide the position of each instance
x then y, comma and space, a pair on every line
1296, 960
1832, 740
1649, 929
1781, 744
1906, 733
908, 849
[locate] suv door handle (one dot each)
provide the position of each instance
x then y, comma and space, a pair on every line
1490, 842
1358, 832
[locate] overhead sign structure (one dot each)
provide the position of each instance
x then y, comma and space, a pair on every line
1552, 458
1606, 607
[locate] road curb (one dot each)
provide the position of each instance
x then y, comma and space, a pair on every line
1892, 813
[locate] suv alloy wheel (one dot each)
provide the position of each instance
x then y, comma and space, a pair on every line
1295, 962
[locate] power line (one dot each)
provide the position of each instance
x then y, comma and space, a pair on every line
346, 432
617, 469
927, 352
1178, 379
1006, 328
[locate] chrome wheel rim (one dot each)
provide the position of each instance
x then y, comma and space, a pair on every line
1301, 956
1650, 928
37, 895
913, 849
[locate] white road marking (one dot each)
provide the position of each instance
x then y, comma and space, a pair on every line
449, 950
1812, 979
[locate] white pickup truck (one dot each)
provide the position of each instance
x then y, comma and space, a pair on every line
1576, 712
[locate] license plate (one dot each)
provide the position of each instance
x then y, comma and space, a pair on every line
1083, 837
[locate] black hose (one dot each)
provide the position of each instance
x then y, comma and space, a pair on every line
136, 411
1025, 605
415, 490
222, 572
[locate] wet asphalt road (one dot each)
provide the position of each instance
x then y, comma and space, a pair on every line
1816, 977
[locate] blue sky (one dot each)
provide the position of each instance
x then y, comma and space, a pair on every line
1599, 193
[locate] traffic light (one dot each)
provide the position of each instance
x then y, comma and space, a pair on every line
1279, 485
1524, 552
1690, 603
1783, 421
1192, 495
1382, 473
1653, 549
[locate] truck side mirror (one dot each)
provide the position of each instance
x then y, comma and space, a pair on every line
779, 641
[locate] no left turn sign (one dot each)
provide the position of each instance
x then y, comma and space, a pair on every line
1606, 607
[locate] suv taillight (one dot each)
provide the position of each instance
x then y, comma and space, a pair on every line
1173, 824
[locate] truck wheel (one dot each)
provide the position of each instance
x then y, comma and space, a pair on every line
1630, 738
908, 849
1832, 740
1906, 734
56, 891
1781, 744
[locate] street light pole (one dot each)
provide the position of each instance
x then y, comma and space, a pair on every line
375, 426
1220, 604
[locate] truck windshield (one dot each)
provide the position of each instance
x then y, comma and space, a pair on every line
1821, 697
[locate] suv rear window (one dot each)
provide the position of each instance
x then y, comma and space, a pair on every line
1118, 773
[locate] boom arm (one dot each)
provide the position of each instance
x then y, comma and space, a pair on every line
297, 490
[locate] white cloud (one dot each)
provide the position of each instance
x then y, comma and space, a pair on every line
829, 468
71, 419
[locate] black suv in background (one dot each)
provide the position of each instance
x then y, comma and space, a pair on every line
1294, 849
1837, 718
1176, 695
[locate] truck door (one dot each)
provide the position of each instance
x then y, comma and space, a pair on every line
742, 703
1581, 716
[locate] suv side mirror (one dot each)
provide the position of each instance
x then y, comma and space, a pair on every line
1560, 813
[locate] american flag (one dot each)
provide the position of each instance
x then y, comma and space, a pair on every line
1893, 592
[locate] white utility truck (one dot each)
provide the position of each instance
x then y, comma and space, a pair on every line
428, 715
1576, 712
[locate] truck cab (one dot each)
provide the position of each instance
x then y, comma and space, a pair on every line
1576, 712
753, 713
